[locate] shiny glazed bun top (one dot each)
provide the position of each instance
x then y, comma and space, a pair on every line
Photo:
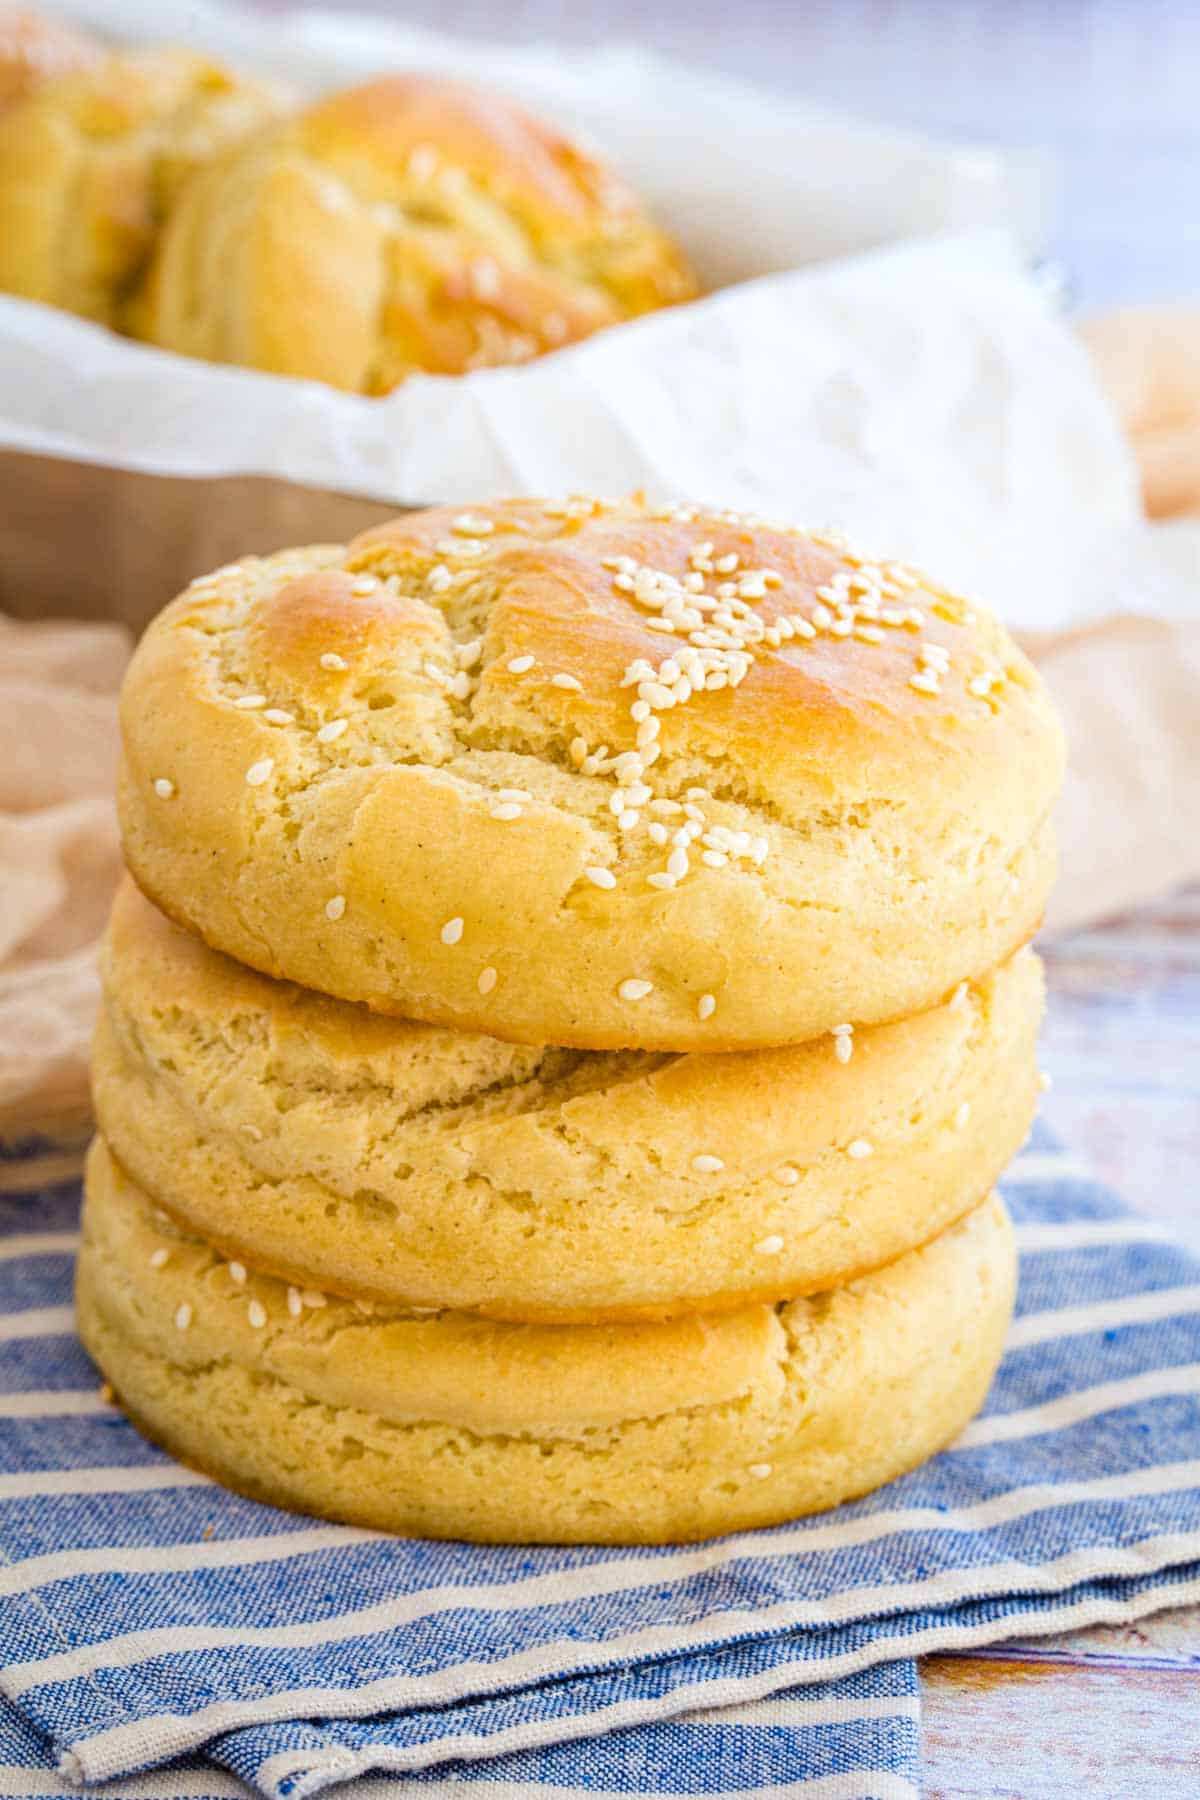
593, 773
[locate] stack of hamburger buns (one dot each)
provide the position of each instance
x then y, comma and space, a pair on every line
411, 224
554, 1073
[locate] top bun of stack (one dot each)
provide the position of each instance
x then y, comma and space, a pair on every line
595, 774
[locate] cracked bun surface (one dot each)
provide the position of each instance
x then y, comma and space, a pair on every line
408, 1163
91, 163
453, 1426
410, 224
593, 774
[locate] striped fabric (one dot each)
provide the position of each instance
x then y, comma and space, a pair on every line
146, 1615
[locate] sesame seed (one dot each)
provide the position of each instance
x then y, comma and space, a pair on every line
334, 729
843, 1047
705, 1164
628, 819
440, 578
715, 859
452, 930
473, 525
859, 1147
657, 832
962, 1114
463, 548
678, 864
276, 716
259, 772
237, 1273
787, 1175
313, 1297
294, 1303
660, 879
250, 702
520, 664
507, 809
467, 655
769, 1246
706, 1006
331, 660
164, 789
487, 980
256, 1312
634, 988
183, 1316
958, 999
365, 584
601, 878
335, 908
759, 1471
158, 1258
925, 681
568, 682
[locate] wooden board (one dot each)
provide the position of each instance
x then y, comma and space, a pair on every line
1111, 1712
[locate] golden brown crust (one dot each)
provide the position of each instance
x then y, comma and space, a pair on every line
35, 50
411, 224
410, 1164
859, 844
456, 1427
91, 163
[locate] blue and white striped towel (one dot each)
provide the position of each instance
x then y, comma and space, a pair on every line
145, 1613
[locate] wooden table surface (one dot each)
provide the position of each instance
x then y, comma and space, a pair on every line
1102, 1714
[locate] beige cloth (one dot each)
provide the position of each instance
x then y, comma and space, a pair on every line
1148, 358
59, 861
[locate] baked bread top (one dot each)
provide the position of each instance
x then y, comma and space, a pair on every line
91, 163
410, 224
596, 774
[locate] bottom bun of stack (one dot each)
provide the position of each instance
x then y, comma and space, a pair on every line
450, 1425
